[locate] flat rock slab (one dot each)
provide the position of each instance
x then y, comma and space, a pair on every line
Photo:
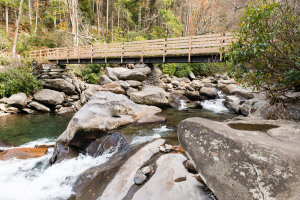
162, 184
256, 159
23, 153
49, 97
124, 179
60, 85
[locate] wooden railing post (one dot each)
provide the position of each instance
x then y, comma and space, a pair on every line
222, 43
78, 53
106, 45
68, 55
122, 52
190, 48
164, 50
92, 53
142, 56
57, 55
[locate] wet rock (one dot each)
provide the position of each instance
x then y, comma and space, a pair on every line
168, 147
109, 143
139, 178
18, 100
59, 85
49, 97
23, 153
39, 106
162, 149
12, 110
103, 79
64, 110
169, 169
63, 152
114, 88
104, 112
151, 119
194, 96
117, 189
29, 111
2, 113
209, 92
237, 163
151, 95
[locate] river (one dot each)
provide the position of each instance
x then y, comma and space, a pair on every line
34, 179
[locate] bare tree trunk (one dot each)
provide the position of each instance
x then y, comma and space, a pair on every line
54, 20
107, 13
98, 17
102, 20
6, 18
140, 16
112, 21
17, 28
36, 15
29, 13
73, 6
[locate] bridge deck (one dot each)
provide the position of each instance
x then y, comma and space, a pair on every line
201, 48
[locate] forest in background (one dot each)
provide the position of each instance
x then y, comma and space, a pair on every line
61, 23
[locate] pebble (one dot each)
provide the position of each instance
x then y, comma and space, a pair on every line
139, 178
146, 170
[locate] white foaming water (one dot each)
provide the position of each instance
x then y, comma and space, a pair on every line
43, 141
182, 105
157, 133
215, 105
33, 179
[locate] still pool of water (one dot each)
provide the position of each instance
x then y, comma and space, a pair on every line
20, 128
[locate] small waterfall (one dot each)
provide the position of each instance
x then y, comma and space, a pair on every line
215, 105
34, 179
182, 105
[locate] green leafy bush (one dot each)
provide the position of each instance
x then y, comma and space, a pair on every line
16, 80
199, 69
266, 54
89, 73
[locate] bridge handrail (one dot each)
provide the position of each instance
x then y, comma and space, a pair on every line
202, 44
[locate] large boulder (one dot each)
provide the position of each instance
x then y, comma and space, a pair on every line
49, 97
125, 74
245, 159
59, 85
210, 93
151, 95
18, 100
89, 92
104, 112
142, 68
233, 89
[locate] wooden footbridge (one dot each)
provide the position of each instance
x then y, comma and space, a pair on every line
193, 49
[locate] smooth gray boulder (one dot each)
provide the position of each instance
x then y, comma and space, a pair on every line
257, 159
142, 68
170, 168
39, 106
151, 95
113, 87
233, 89
59, 85
49, 97
89, 92
209, 92
117, 189
120, 73
18, 100
233, 103
103, 79
104, 112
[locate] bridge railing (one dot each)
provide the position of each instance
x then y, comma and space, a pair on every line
185, 46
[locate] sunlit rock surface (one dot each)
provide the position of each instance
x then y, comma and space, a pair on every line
257, 159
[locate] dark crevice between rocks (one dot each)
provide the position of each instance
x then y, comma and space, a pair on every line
252, 127
134, 188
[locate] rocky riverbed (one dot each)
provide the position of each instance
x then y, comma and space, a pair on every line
244, 158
